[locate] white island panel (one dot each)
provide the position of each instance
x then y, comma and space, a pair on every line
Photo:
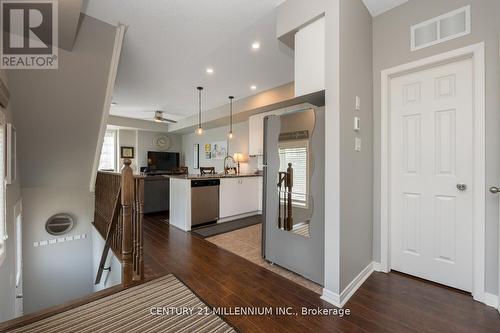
180, 203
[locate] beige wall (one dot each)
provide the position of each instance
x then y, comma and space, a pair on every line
145, 143
58, 115
238, 144
356, 168
391, 47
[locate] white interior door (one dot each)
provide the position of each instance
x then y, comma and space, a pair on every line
19, 311
432, 174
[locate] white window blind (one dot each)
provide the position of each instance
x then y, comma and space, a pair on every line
108, 152
296, 152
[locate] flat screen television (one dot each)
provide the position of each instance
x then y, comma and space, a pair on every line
162, 161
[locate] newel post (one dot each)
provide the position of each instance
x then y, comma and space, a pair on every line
127, 199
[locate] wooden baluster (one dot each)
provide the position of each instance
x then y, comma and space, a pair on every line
288, 186
279, 200
127, 198
138, 239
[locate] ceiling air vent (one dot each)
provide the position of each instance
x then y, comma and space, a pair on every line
441, 29
59, 224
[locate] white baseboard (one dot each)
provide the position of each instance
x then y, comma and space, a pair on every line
340, 300
491, 300
377, 267
236, 217
331, 297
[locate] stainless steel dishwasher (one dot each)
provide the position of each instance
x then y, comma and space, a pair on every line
204, 201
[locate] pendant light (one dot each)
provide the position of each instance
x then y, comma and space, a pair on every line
230, 134
199, 130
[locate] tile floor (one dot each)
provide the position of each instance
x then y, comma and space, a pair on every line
246, 243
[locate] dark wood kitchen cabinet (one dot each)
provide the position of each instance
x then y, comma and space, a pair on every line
156, 194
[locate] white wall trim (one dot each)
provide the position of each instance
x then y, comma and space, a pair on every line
491, 300
476, 52
377, 267
239, 216
346, 294
115, 59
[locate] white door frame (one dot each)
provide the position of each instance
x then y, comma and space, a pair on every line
476, 53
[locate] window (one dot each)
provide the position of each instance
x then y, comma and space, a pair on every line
108, 152
441, 29
3, 224
297, 153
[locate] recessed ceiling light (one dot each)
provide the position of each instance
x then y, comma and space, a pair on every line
253, 87
114, 104
255, 45
210, 70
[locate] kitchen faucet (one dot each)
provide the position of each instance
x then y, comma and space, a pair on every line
226, 168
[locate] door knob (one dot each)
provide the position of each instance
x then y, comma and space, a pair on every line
461, 187
494, 189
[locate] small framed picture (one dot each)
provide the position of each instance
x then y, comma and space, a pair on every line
127, 152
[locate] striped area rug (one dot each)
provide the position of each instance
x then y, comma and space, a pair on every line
130, 311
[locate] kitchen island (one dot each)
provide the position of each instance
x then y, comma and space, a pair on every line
199, 199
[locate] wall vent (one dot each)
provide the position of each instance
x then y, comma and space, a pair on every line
441, 29
59, 224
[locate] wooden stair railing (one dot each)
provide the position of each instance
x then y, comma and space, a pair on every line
118, 216
285, 180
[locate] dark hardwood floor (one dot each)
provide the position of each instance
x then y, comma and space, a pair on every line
385, 302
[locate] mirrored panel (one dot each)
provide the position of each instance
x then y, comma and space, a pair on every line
296, 161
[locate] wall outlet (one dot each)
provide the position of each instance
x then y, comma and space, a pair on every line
357, 144
358, 103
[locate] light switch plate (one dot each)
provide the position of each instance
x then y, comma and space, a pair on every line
358, 103
357, 144
357, 123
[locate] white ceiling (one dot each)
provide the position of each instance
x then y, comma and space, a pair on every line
377, 7
170, 43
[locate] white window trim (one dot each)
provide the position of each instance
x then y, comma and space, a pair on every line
437, 20
116, 158
5, 236
290, 145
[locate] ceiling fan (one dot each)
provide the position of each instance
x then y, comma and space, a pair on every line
159, 118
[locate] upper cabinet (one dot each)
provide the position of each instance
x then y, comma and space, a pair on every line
310, 58
256, 134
